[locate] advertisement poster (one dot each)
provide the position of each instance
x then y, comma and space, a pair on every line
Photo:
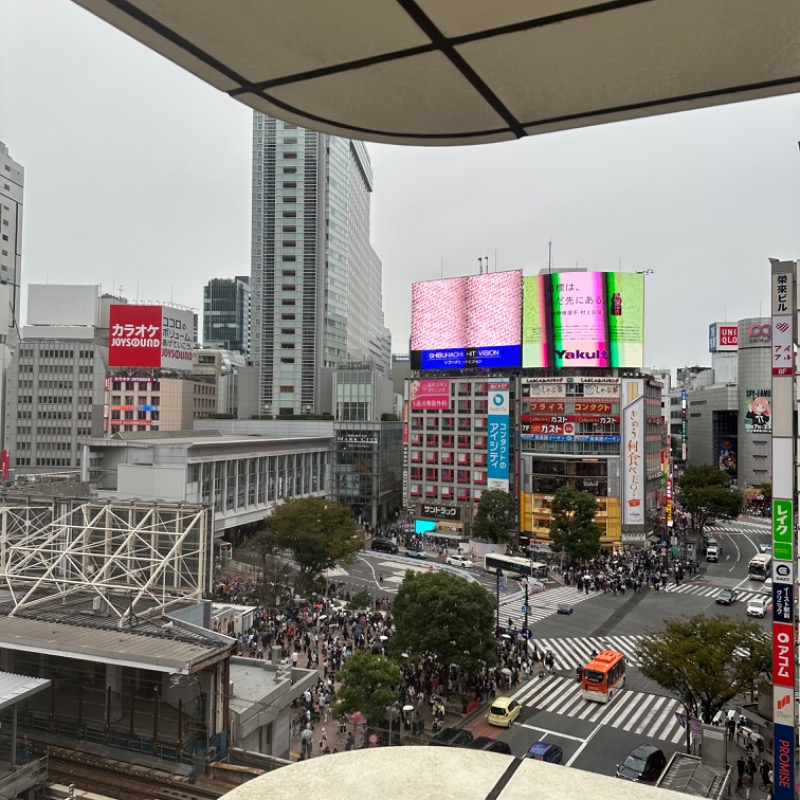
583, 319
633, 453
758, 411
430, 394
472, 321
726, 461
150, 336
498, 435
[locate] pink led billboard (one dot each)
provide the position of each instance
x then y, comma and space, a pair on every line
472, 321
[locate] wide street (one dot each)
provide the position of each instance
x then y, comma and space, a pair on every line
597, 737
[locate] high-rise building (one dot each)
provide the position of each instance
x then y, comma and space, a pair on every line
316, 282
12, 180
226, 314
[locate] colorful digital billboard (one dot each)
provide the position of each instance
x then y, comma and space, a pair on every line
432, 395
583, 319
472, 321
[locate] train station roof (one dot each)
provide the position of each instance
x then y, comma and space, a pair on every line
445, 72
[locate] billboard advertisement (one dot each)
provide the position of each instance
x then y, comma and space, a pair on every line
430, 395
472, 321
583, 319
155, 337
633, 452
726, 456
759, 410
498, 436
722, 337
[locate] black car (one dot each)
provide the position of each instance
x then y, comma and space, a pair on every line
452, 737
384, 546
491, 745
726, 597
645, 764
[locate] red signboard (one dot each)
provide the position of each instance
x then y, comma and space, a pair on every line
431, 395
783, 654
566, 428
592, 407
135, 336
729, 335
559, 418
547, 407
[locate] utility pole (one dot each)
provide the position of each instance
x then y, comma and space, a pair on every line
498, 575
526, 607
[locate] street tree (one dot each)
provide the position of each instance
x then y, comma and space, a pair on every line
711, 659
442, 613
573, 530
495, 516
318, 533
276, 572
705, 493
369, 684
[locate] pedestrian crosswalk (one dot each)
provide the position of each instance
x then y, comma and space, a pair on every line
746, 528
571, 653
706, 590
647, 715
540, 605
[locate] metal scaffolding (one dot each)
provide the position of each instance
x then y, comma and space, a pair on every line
158, 554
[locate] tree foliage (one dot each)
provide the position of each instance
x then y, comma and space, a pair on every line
442, 613
705, 493
713, 658
495, 516
369, 684
318, 533
573, 530
276, 572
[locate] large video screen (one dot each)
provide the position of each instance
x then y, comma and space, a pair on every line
583, 319
472, 321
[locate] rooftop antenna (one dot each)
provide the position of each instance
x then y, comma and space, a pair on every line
480, 265
550, 255
486, 259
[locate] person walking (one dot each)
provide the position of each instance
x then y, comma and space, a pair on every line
351, 741
740, 764
747, 782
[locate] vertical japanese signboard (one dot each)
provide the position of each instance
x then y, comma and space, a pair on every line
784, 459
633, 469
497, 472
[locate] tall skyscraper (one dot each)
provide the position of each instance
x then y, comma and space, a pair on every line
226, 313
316, 280
12, 180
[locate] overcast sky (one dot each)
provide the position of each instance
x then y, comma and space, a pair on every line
138, 176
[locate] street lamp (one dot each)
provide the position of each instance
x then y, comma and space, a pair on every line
498, 575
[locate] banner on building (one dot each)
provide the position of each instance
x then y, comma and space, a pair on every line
431, 395
498, 436
633, 473
726, 456
157, 337
758, 411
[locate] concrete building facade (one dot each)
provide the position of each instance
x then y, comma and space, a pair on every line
12, 187
316, 281
226, 314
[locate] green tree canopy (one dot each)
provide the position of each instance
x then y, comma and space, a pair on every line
495, 516
713, 658
318, 533
705, 493
276, 572
766, 491
369, 684
573, 530
442, 613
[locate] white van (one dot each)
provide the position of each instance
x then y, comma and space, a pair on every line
712, 553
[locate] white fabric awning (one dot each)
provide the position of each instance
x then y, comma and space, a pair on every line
437, 72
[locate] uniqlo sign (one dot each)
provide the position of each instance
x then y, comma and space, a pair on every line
728, 337
134, 336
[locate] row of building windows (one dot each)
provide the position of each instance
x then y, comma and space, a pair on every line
47, 430
68, 369
133, 400
116, 414
22, 445
79, 415
135, 386
44, 462
129, 428
28, 352
27, 383
29, 399
449, 424
448, 440
460, 493
436, 475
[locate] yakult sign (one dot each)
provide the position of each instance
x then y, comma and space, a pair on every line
150, 336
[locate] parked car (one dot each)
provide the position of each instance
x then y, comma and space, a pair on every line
765, 548
452, 737
490, 745
503, 711
757, 607
384, 546
645, 764
415, 553
459, 561
545, 751
726, 597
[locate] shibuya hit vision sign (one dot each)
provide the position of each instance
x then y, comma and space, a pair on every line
157, 337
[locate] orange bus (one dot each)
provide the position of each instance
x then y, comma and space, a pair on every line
603, 676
